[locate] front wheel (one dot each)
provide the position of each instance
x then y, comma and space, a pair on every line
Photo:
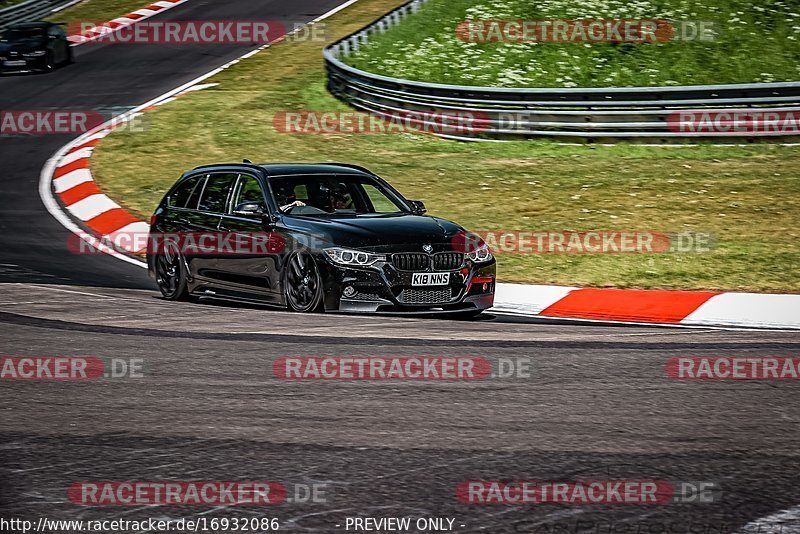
171, 274
302, 284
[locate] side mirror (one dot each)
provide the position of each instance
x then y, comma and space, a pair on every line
417, 207
248, 209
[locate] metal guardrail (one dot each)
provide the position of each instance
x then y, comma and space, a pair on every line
501, 113
30, 10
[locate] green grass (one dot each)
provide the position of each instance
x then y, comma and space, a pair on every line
748, 197
756, 41
9, 3
97, 11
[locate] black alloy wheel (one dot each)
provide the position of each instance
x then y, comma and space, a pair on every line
303, 284
171, 273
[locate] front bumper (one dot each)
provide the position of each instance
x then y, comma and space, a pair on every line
383, 288
23, 64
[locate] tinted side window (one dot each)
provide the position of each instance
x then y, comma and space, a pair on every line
249, 190
194, 199
216, 193
181, 195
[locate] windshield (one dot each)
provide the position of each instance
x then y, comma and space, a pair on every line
333, 194
17, 34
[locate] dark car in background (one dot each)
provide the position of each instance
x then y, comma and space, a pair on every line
338, 238
34, 46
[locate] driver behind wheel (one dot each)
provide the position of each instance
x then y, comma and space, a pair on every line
285, 197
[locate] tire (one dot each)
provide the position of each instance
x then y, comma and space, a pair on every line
70, 56
302, 284
171, 276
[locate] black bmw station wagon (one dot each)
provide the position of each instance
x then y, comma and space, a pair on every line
313, 237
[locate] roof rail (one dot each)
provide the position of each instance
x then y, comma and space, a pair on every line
349, 165
248, 164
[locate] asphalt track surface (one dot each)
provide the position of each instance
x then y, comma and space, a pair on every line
597, 403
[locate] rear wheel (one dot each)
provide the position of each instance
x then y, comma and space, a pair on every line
171, 274
302, 284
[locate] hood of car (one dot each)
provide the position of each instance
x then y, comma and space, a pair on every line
394, 232
22, 46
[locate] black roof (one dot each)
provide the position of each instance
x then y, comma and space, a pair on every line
32, 25
283, 169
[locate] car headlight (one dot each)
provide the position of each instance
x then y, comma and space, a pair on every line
480, 254
358, 258
37, 53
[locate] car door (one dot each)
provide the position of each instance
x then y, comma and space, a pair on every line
63, 44
201, 223
249, 261
55, 44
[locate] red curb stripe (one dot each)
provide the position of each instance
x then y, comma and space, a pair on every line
134, 16
82, 163
111, 221
93, 142
79, 192
634, 305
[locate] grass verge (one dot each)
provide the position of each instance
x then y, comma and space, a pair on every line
747, 197
9, 3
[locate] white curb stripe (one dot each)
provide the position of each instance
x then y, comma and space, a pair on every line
70, 180
527, 299
92, 206
147, 12
748, 309
74, 156
131, 235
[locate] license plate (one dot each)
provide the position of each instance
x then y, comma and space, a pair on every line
430, 279
15, 63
